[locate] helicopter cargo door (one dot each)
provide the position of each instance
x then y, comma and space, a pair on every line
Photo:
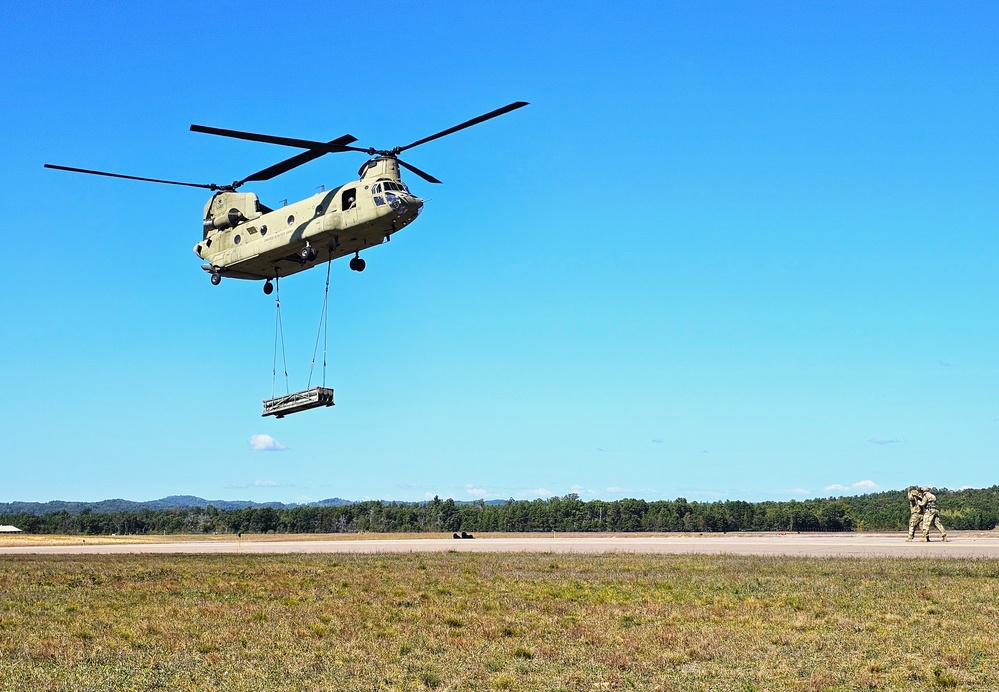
348, 207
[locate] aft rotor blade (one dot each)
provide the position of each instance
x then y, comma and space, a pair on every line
474, 121
208, 186
295, 161
335, 145
426, 176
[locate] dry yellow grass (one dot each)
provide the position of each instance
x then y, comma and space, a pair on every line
493, 621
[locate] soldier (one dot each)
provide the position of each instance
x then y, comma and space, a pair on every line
915, 511
929, 504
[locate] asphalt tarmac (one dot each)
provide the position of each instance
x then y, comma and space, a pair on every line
967, 544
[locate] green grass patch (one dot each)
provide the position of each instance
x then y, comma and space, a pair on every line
491, 621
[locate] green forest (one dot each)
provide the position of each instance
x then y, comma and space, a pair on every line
976, 509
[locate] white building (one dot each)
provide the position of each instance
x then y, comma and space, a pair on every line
9, 529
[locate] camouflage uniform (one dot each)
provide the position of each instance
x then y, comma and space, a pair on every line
930, 516
915, 511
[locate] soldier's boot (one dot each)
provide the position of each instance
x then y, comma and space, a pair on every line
926, 539
943, 537
909, 539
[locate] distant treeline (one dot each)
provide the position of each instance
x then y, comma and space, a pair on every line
976, 509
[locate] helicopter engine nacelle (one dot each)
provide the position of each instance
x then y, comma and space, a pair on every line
229, 209
230, 219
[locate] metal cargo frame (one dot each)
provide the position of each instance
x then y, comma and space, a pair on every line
299, 401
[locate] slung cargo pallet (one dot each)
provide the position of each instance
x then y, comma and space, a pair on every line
299, 401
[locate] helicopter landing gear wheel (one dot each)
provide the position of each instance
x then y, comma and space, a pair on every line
268, 287
216, 278
357, 264
307, 253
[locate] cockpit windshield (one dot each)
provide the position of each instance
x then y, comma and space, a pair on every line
384, 192
387, 185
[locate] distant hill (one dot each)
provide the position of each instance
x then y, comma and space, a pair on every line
166, 503
179, 502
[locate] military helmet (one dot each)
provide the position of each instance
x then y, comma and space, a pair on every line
925, 488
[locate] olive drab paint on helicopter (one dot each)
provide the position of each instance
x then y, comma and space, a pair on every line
245, 240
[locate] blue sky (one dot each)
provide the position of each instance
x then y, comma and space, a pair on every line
730, 250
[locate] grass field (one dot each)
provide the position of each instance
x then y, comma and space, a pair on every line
449, 621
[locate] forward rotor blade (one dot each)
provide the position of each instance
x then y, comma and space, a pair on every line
297, 160
283, 167
336, 145
474, 121
426, 176
208, 186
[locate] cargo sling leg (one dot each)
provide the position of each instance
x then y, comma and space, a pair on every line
310, 397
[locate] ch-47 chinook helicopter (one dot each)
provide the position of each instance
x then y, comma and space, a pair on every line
243, 239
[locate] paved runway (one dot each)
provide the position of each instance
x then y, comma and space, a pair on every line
960, 545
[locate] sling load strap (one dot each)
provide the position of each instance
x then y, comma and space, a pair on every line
323, 326
279, 334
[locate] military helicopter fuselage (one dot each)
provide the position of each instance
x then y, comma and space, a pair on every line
243, 239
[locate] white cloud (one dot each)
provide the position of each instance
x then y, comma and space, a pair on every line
618, 489
798, 491
878, 441
475, 492
534, 492
859, 485
265, 443
266, 484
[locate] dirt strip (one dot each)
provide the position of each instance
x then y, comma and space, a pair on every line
959, 545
